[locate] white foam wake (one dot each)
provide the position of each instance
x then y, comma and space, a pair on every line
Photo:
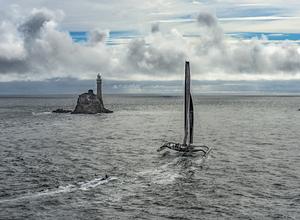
63, 189
162, 175
96, 182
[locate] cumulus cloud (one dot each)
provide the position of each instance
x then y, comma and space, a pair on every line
36, 48
158, 58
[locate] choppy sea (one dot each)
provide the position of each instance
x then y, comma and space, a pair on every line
52, 165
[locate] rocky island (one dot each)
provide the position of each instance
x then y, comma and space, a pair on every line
89, 103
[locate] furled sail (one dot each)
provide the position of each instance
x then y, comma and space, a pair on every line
188, 108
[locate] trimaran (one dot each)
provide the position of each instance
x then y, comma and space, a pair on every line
187, 144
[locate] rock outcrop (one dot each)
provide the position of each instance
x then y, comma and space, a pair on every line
60, 110
89, 103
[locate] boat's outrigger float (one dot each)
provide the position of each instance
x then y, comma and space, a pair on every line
187, 146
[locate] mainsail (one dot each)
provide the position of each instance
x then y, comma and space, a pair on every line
188, 108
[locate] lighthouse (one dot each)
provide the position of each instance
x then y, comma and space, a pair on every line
90, 103
99, 88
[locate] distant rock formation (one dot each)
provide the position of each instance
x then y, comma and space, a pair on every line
60, 110
89, 103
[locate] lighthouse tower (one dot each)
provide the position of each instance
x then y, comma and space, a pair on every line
99, 88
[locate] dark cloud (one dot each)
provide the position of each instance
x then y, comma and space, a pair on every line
155, 28
212, 33
13, 65
97, 36
207, 19
31, 28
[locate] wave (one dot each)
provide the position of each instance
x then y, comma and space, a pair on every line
63, 189
41, 113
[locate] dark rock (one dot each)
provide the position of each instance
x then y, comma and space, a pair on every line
88, 103
60, 110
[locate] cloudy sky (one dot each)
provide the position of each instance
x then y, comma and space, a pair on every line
132, 42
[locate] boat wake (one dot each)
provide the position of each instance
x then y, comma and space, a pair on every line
160, 176
63, 189
174, 168
95, 182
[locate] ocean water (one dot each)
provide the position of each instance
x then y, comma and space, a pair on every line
51, 165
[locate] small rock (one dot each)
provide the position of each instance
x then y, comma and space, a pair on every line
60, 110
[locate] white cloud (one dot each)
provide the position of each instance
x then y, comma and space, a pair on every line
85, 15
35, 48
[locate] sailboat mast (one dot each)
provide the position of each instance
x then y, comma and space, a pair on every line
191, 121
186, 101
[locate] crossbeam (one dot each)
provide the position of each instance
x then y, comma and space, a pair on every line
184, 148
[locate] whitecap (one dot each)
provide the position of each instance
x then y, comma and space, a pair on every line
95, 182
41, 113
